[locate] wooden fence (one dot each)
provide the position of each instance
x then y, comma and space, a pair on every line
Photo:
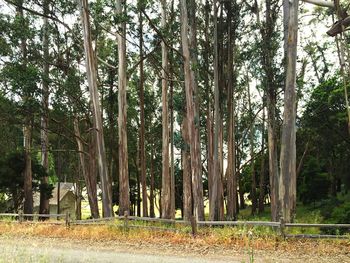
37, 218
126, 223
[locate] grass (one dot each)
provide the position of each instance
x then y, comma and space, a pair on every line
207, 239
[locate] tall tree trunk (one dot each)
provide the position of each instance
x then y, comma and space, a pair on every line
142, 128
271, 97
252, 154
215, 208
262, 168
287, 182
44, 198
97, 115
138, 183
197, 181
231, 152
192, 118
151, 191
166, 179
27, 129
186, 174
78, 194
172, 161
209, 113
89, 175
124, 195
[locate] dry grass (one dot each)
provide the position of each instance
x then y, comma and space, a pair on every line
208, 241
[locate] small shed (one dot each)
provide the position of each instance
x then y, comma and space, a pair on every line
67, 199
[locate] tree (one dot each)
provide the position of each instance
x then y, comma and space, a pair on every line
124, 203
44, 200
287, 179
97, 116
192, 118
166, 179
142, 123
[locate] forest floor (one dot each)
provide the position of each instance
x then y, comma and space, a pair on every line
48, 243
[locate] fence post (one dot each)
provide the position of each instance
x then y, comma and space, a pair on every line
194, 226
20, 216
67, 219
126, 223
282, 227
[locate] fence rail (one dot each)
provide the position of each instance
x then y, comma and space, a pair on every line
281, 226
21, 217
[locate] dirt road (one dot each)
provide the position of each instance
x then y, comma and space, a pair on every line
43, 249
15, 249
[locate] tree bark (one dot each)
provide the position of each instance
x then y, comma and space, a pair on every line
287, 182
166, 179
252, 154
97, 115
231, 151
186, 173
215, 208
124, 195
44, 198
192, 118
87, 173
268, 55
262, 168
142, 128
151, 191
172, 163
27, 129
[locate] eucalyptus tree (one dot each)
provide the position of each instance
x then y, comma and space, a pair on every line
124, 198
166, 179
191, 107
287, 180
97, 116
216, 202
44, 199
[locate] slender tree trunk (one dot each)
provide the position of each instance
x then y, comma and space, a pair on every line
97, 115
138, 183
186, 174
78, 194
192, 118
166, 179
44, 198
87, 173
172, 164
197, 181
210, 134
271, 97
124, 195
142, 128
27, 129
252, 154
231, 152
151, 191
262, 168
209, 120
215, 209
302, 159
287, 182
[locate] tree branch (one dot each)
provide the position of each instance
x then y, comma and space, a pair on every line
323, 3
159, 33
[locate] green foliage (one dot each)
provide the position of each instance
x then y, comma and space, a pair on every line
336, 211
314, 184
11, 178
